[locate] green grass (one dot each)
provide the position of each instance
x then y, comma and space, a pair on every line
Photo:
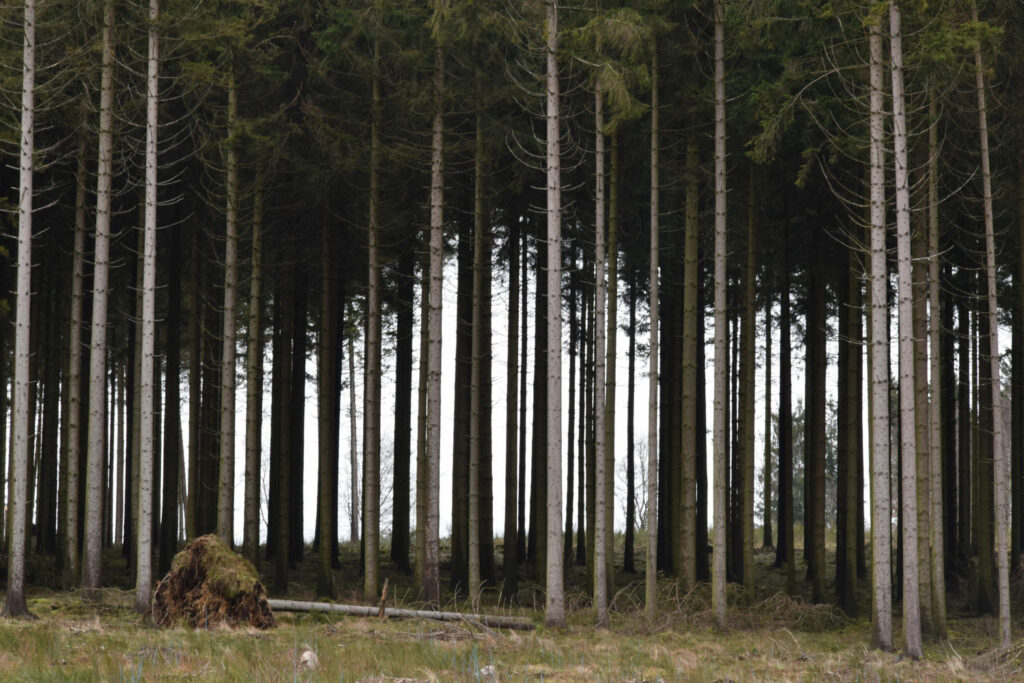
771, 637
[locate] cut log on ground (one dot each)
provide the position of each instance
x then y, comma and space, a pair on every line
490, 620
209, 585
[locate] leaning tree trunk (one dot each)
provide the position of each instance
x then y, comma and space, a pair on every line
91, 563
650, 573
226, 487
14, 603
1000, 481
147, 450
721, 360
908, 446
878, 361
555, 603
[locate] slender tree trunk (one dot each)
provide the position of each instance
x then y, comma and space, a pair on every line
631, 520
878, 361
766, 521
938, 562
510, 546
14, 603
172, 415
611, 352
748, 371
911, 606
431, 579
406, 276
91, 564
521, 511
476, 359
601, 548
226, 488
354, 497
327, 414
195, 347
688, 502
73, 451
421, 429
555, 603
919, 270
372, 368
575, 342
650, 573
254, 383
721, 362
1000, 481
147, 450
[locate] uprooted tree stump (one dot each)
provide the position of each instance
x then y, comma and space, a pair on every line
209, 585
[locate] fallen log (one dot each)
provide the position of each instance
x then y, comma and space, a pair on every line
491, 620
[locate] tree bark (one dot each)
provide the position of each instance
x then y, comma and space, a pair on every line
650, 572
908, 446
510, 554
878, 362
91, 561
431, 579
601, 547
555, 602
14, 602
147, 450
254, 384
691, 337
226, 488
1000, 480
721, 341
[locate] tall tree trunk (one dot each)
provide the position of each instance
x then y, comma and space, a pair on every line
521, 510
721, 331
476, 357
297, 412
73, 451
510, 568
611, 351
372, 368
631, 520
814, 433
226, 488
766, 521
254, 383
91, 562
555, 602
650, 573
687, 573
327, 413
14, 603
601, 547
172, 414
878, 362
148, 453
748, 370
919, 270
406, 276
938, 562
421, 427
354, 495
575, 342
908, 446
431, 579
1000, 480
195, 349
462, 407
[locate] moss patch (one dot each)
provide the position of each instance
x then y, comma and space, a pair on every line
209, 585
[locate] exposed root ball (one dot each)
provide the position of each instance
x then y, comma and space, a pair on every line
209, 585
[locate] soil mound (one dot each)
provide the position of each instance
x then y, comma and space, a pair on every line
209, 585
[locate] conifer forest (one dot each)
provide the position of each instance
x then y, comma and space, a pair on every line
506, 301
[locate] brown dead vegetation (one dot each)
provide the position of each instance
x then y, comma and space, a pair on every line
210, 586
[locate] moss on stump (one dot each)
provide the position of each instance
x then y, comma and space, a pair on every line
209, 585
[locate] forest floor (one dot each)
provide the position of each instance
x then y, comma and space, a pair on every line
771, 637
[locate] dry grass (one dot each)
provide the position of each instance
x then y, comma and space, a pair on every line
771, 636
